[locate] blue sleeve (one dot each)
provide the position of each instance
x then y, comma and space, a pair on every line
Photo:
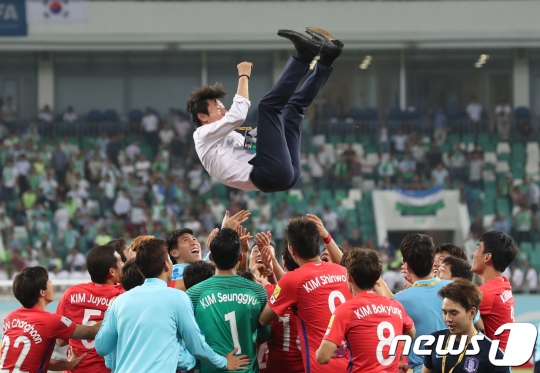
110, 361
537, 348
107, 336
186, 361
192, 335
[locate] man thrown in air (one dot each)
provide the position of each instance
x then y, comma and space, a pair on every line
275, 165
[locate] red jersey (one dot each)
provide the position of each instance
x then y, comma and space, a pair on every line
29, 339
282, 352
171, 284
86, 304
497, 308
369, 322
313, 291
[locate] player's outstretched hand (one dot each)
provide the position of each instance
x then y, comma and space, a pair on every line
322, 230
73, 359
245, 236
234, 221
211, 237
237, 362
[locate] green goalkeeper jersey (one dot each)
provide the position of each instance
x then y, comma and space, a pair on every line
227, 309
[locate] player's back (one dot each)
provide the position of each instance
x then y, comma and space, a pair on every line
497, 308
282, 352
317, 289
370, 322
29, 337
86, 304
227, 309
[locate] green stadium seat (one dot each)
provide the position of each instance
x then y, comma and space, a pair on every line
350, 138
335, 139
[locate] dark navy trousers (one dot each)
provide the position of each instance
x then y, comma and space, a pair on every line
276, 167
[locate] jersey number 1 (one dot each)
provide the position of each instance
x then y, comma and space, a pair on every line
231, 317
26, 349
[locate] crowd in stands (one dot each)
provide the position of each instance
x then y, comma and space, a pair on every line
62, 195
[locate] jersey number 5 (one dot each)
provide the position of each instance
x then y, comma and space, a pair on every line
86, 321
26, 349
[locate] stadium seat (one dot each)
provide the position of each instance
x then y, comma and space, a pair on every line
522, 113
370, 114
94, 115
135, 115
355, 113
110, 115
503, 147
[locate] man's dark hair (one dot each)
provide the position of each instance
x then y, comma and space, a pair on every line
247, 275
418, 252
452, 250
463, 292
172, 240
99, 261
459, 267
28, 283
198, 102
303, 235
502, 248
151, 256
364, 266
119, 245
130, 276
225, 249
198, 272
288, 260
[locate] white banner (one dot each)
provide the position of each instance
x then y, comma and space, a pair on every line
53, 11
408, 200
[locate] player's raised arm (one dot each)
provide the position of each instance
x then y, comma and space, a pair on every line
267, 316
325, 352
244, 73
332, 247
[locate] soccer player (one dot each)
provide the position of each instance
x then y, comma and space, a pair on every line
445, 250
314, 290
282, 352
86, 303
452, 268
369, 321
184, 249
460, 300
275, 165
121, 248
197, 273
494, 253
421, 301
153, 319
228, 306
29, 333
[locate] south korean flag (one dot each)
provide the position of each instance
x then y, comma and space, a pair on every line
52, 11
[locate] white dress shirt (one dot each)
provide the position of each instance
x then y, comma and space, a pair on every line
221, 150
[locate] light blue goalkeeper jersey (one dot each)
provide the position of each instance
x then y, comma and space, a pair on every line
146, 326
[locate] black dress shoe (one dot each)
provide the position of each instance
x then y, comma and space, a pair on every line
307, 48
332, 47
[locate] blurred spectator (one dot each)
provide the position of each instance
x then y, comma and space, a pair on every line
501, 224
439, 126
440, 176
517, 278
318, 163
9, 111
524, 221
525, 132
44, 244
166, 134
476, 166
183, 127
387, 170
503, 115
122, 204
70, 116
286, 209
340, 173
149, 125
133, 150
533, 194
400, 141
354, 239
142, 167
331, 221
477, 228
193, 224
9, 181
314, 207
457, 159
519, 198
434, 157
60, 164
418, 152
384, 141
531, 278
407, 168
417, 183
46, 114
474, 110
75, 260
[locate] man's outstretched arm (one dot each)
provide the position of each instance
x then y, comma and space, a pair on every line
244, 73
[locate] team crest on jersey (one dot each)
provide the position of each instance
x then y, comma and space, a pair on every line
471, 365
66, 321
274, 296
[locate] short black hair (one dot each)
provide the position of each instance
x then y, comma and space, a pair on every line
198, 102
130, 276
288, 260
502, 248
451, 249
247, 275
198, 272
119, 245
151, 256
28, 284
418, 252
225, 249
463, 292
459, 267
303, 236
99, 261
364, 266
172, 240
